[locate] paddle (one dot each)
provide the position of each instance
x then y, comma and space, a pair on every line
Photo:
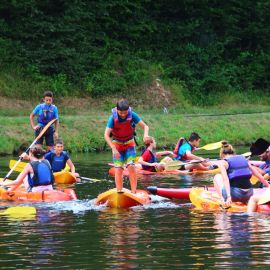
175, 164
90, 179
211, 146
36, 139
21, 165
20, 212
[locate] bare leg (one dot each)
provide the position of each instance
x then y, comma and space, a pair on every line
218, 184
252, 203
132, 177
118, 178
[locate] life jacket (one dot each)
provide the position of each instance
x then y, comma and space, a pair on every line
184, 156
177, 146
47, 114
238, 172
43, 174
153, 159
58, 163
122, 131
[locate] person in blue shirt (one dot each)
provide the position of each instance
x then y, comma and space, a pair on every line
185, 153
45, 112
58, 158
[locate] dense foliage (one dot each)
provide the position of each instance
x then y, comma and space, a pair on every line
100, 47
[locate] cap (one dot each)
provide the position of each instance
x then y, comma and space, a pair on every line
259, 147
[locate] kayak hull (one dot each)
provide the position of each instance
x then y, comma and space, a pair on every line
140, 172
173, 193
123, 199
210, 201
46, 196
64, 177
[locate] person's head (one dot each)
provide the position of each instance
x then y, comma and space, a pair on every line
150, 141
122, 107
194, 139
58, 146
48, 97
226, 150
261, 148
37, 152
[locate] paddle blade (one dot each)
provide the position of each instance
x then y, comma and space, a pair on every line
173, 165
20, 166
20, 212
211, 146
254, 180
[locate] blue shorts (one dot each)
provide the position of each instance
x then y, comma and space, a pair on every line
238, 194
48, 135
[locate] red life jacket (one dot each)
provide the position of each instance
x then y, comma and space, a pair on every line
122, 131
177, 146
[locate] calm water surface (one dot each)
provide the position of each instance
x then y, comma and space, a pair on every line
164, 235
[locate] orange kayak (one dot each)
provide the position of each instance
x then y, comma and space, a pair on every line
210, 201
123, 199
64, 177
140, 172
47, 196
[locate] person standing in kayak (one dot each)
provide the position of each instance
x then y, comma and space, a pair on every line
37, 174
121, 126
45, 112
233, 183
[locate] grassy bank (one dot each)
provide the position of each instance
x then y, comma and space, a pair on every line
84, 132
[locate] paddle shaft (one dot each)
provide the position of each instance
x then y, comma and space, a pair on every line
89, 179
36, 139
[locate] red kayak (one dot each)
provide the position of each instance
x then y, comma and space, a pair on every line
183, 193
173, 193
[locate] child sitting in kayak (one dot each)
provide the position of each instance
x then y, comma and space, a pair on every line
59, 158
148, 159
233, 183
185, 154
37, 174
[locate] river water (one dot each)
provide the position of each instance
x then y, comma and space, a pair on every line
163, 235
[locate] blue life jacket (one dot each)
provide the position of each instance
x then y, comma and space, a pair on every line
238, 172
47, 114
43, 174
58, 163
122, 131
153, 159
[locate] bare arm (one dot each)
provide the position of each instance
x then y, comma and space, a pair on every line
71, 166
145, 128
141, 161
164, 153
109, 142
19, 180
191, 156
223, 165
258, 175
34, 127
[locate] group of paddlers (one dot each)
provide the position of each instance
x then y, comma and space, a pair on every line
232, 183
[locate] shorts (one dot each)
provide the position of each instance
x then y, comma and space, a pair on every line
238, 194
48, 135
127, 153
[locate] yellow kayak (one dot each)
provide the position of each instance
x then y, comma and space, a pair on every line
210, 201
124, 199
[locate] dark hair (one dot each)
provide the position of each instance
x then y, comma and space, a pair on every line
194, 137
122, 105
58, 141
48, 94
226, 149
37, 152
